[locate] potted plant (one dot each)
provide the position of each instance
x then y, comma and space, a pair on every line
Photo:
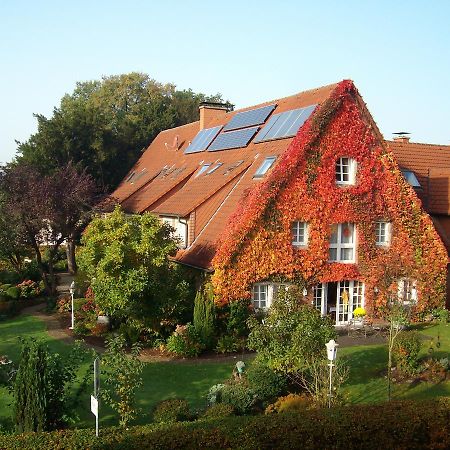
358, 315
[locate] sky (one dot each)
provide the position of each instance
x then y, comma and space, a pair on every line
397, 53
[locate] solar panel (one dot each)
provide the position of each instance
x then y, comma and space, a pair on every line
285, 124
249, 118
233, 139
202, 140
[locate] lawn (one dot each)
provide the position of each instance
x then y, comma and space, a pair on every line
162, 380
191, 380
367, 383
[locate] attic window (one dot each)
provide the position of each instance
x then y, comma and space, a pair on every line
203, 169
231, 167
130, 177
265, 166
411, 178
140, 174
214, 168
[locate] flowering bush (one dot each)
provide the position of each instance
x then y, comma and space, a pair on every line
29, 289
257, 243
185, 341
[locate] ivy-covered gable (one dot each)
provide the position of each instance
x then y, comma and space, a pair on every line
304, 187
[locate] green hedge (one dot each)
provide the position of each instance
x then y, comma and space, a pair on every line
399, 425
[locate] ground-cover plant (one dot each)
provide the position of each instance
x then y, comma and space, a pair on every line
123, 377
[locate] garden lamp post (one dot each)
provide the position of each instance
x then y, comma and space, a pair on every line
72, 292
331, 354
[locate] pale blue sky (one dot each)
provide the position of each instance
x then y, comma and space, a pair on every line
398, 54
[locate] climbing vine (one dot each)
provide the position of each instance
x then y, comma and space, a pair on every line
257, 243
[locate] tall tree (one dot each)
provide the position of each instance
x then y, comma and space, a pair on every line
47, 209
104, 125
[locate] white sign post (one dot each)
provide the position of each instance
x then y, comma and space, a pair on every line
94, 410
94, 398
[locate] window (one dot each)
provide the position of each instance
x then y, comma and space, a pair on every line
382, 233
202, 169
407, 291
300, 234
264, 293
342, 242
180, 230
345, 171
318, 294
214, 168
411, 178
265, 166
260, 294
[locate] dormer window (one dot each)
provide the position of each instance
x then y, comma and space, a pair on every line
411, 178
345, 171
265, 166
382, 234
299, 234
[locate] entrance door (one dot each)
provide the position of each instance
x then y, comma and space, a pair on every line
350, 295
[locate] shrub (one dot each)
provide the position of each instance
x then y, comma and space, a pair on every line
240, 396
171, 411
130, 332
229, 344
406, 351
402, 425
266, 383
237, 320
290, 403
99, 329
185, 341
441, 314
204, 317
13, 292
218, 411
214, 394
29, 289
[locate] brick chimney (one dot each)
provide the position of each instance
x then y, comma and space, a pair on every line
404, 139
402, 136
209, 111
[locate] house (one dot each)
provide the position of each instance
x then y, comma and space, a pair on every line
302, 189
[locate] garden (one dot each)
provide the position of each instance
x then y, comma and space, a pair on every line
170, 353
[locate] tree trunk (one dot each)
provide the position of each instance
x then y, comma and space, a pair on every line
40, 264
70, 252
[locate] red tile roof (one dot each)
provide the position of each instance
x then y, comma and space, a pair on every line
214, 197
165, 180
431, 164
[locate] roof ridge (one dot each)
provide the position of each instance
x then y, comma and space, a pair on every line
416, 143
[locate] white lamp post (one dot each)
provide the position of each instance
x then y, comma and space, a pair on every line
331, 354
72, 292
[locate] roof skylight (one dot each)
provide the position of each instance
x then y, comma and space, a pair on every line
265, 166
411, 178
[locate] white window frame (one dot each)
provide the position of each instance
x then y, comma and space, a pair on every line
407, 291
297, 227
269, 290
339, 245
340, 173
379, 233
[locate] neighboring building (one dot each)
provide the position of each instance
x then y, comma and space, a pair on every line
302, 189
